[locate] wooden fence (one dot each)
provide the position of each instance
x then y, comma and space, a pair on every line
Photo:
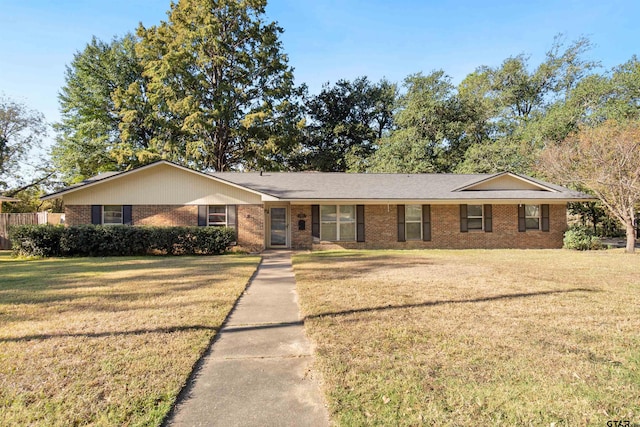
9, 219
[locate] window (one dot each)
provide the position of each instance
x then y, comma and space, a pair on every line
221, 216
112, 215
413, 222
338, 222
217, 216
474, 217
532, 217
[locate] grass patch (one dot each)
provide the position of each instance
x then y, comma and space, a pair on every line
499, 337
107, 341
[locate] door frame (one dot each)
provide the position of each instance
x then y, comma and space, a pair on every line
287, 227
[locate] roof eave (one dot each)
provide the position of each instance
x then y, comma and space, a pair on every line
439, 201
150, 165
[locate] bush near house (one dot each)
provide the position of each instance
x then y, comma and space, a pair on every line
581, 238
97, 240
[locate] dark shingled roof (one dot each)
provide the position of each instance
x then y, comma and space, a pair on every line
373, 187
364, 186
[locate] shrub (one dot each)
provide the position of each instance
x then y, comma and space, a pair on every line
98, 240
582, 239
36, 240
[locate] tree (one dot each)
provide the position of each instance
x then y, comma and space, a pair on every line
91, 136
344, 122
524, 109
217, 76
606, 160
21, 130
432, 128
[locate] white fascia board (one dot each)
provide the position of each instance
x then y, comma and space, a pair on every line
510, 174
536, 201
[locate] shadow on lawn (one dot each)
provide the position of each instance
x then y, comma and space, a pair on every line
400, 307
443, 302
166, 330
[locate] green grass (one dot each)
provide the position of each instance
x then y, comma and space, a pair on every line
107, 341
466, 338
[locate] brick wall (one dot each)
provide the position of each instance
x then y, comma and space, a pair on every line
250, 220
251, 227
165, 215
380, 227
381, 230
77, 214
301, 239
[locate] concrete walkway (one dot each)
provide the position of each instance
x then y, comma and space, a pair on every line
258, 370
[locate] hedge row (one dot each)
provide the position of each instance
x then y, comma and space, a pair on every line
98, 240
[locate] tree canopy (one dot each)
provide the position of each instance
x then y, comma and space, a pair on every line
344, 122
21, 130
211, 88
606, 160
89, 133
217, 77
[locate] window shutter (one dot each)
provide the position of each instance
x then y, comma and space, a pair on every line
232, 216
522, 225
202, 215
315, 221
545, 217
401, 235
360, 223
488, 218
426, 223
464, 226
232, 220
96, 214
127, 215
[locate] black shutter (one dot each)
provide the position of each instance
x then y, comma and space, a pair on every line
127, 215
96, 214
401, 235
488, 218
522, 224
360, 223
464, 225
545, 217
202, 215
232, 216
426, 223
232, 220
315, 221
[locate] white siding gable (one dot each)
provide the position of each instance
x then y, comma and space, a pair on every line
161, 184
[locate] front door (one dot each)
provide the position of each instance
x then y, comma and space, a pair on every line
278, 234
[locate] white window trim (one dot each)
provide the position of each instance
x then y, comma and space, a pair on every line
475, 217
538, 217
218, 224
406, 221
113, 223
337, 223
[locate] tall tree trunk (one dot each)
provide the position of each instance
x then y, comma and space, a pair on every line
631, 237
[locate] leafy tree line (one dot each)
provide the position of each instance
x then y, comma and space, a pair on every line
212, 88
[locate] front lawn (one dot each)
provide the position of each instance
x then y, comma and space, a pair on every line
107, 341
467, 338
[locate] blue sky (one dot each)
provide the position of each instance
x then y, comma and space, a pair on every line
326, 40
